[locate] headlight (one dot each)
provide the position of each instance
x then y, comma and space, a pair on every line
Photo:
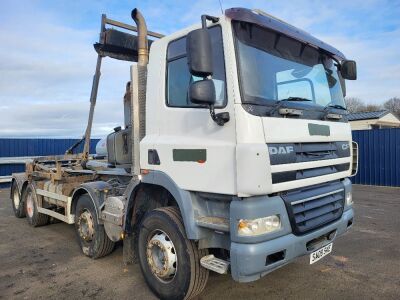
349, 198
259, 226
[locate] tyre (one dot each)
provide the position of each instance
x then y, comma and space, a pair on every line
34, 217
17, 204
91, 235
169, 261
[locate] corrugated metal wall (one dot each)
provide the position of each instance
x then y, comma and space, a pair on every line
379, 157
379, 154
34, 147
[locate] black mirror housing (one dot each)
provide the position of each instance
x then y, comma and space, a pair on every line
200, 63
199, 53
202, 92
348, 69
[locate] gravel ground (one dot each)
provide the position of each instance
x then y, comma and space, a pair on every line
46, 262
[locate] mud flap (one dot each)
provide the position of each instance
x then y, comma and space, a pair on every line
129, 252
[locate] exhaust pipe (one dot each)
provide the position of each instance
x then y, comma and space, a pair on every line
143, 51
139, 82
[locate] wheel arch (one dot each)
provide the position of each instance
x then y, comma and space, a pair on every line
97, 191
178, 197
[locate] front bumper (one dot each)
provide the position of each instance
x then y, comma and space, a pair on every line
249, 261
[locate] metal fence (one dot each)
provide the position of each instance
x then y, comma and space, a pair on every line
15, 152
379, 157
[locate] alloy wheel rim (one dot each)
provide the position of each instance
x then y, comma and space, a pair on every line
29, 205
16, 198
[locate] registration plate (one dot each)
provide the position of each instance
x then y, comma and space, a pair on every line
320, 253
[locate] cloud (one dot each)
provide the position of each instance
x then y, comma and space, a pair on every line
377, 63
47, 60
46, 75
58, 119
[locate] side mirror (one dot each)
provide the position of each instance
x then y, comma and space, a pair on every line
348, 69
199, 53
200, 63
202, 92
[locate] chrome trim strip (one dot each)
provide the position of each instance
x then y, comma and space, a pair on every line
316, 197
310, 164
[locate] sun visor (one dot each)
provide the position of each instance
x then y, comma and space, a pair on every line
267, 21
289, 47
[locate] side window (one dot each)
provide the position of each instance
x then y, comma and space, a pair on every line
179, 78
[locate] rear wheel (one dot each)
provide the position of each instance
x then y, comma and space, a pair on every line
34, 217
91, 235
169, 261
17, 204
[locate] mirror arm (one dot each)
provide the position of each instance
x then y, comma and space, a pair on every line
220, 118
204, 19
223, 117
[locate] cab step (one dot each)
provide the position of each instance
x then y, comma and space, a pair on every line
215, 264
215, 223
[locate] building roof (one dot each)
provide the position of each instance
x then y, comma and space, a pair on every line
367, 115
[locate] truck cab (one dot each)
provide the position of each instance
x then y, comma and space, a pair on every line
257, 151
284, 156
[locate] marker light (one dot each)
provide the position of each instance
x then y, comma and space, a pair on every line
349, 198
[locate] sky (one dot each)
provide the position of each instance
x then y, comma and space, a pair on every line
47, 59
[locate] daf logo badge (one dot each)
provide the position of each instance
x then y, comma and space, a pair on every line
345, 146
280, 150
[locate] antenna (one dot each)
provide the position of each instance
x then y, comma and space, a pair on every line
220, 5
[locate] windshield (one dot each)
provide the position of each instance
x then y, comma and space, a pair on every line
274, 67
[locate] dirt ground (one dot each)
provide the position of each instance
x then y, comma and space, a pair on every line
46, 262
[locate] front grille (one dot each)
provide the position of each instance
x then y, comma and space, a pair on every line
319, 151
313, 207
305, 152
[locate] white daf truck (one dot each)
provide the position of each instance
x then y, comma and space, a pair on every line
234, 156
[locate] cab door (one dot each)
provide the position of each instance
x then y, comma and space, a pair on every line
193, 150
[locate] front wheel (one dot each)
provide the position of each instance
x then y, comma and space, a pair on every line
91, 235
169, 261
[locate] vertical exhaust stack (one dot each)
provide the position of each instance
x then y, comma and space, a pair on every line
139, 81
143, 50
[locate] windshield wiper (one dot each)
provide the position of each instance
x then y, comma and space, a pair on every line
282, 101
295, 99
329, 115
338, 106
